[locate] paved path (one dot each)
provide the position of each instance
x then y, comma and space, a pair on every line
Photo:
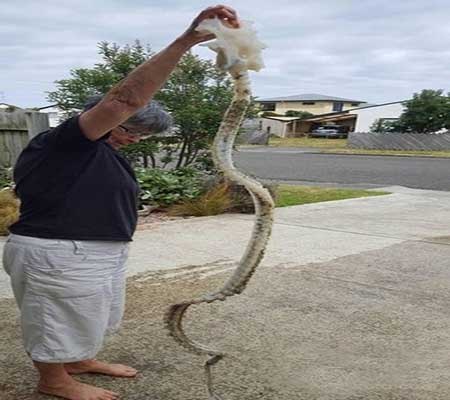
352, 302
302, 234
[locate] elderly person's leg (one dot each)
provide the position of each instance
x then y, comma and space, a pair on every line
99, 367
116, 311
55, 380
65, 301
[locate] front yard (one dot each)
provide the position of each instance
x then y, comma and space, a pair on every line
290, 195
308, 142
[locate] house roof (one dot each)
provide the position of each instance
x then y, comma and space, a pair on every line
377, 105
282, 119
331, 117
309, 97
354, 109
45, 107
6, 105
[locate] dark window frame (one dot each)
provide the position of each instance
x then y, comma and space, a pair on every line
268, 106
338, 106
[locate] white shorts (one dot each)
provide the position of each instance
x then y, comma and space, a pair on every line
70, 294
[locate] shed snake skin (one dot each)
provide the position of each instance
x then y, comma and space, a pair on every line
264, 206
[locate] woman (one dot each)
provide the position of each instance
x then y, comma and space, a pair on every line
67, 252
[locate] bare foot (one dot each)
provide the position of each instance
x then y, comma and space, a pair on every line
73, 390
98, 367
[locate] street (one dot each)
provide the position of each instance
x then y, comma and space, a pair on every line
306, 166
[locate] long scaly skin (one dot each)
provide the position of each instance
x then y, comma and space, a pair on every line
263, 202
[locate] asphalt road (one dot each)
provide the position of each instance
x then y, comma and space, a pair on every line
303, 166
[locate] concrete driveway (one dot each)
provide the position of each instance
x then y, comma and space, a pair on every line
352, 302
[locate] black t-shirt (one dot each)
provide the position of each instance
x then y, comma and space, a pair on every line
73, 188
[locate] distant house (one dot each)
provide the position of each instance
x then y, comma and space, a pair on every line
367, 116
280, 126
314, 103
358, 119
6, 106
55, 115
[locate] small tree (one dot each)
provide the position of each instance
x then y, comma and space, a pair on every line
426, 112
382, 126
71, 94
196, 94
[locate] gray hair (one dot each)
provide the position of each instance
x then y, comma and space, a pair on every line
150, 118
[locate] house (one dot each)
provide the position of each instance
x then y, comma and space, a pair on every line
280, 126
55, 115
367, 116
358, 119
6, 106
313, 103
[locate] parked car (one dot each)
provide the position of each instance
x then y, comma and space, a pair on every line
329, 131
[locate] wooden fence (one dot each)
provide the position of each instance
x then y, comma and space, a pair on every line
399, 141
17, 127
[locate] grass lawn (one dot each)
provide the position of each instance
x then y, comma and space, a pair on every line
308, 142
290, 195
340, 146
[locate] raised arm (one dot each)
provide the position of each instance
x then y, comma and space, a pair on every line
135, 91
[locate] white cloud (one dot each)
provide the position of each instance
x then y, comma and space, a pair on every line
376, 50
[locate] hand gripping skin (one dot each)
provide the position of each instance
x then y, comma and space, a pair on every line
222, 152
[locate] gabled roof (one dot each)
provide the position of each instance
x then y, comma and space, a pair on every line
332, 114
310, 97
378, 105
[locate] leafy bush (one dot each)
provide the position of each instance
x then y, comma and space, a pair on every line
300, 114
9, 210
215, 201
165, 188
382, 125
141, 153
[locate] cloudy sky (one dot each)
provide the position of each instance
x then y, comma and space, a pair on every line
370, 50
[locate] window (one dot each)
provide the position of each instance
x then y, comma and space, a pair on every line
355, 104
268, 106
309, 103
338, 106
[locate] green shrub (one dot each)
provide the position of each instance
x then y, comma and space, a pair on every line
271, 114
300, 114
143, 151
165, 187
